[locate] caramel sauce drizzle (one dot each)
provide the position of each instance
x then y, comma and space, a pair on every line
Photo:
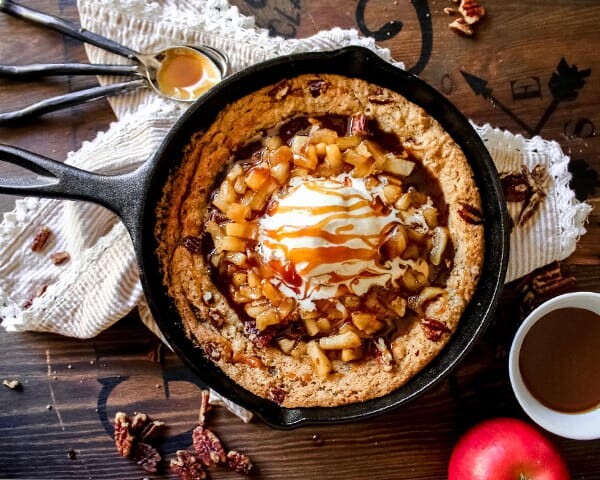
312, 257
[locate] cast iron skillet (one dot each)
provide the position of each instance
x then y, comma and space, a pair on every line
134, 196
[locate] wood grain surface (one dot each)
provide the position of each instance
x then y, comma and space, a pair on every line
71, 388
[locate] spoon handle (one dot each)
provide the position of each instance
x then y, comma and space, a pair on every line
64, 26
38, 70
68, 100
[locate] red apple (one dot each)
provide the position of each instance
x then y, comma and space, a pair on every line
506, 449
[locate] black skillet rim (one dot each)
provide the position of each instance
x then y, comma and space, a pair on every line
353, 62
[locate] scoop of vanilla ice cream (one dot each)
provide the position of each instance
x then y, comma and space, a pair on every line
329, 230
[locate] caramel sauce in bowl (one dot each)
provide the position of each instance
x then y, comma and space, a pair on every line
552, 365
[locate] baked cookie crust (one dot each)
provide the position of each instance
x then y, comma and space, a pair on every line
218, 327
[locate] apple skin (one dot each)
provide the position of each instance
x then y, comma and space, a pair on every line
506, 449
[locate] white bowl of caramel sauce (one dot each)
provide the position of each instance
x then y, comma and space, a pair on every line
553, 365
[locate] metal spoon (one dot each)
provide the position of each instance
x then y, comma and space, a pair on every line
147, 70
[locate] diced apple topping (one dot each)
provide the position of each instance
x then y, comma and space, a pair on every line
320, 361
242, 230
397, 166
343, 327
257, 177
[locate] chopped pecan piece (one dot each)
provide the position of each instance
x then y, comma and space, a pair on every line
462, 27
239, 462
550, 280
316, 86
12, 384
526, 186
515, 186
193, 244
215, 318
187, 466
212, 350
380, 97
449, 11
560, 285
542, 283
280, 91
59, 258
470, 214
208, 447
530, 208
146, 456
539, 176
538, 180
123, 437
545, 276
38, 293
261, 339
433, 329
358, 125
204, 407
278, 394
384, 355
40, 239
380, 100
471, 11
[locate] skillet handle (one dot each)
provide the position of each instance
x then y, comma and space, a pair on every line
123, 194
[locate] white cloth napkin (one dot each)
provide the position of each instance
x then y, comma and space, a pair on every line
100, 283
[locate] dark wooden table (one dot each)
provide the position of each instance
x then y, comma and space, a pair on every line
72, 388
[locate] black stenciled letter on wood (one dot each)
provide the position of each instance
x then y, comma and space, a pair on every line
393, 27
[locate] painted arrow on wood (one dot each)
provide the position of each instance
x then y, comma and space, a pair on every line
479, 86
564, 85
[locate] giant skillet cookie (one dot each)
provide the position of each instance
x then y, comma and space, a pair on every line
321, 240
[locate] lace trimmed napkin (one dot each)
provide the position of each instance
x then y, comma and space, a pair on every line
100, 284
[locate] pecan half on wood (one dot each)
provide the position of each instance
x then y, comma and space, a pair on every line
138, 423
239, 462
187, 466
471, 11
208, 447
146, 456
123, 437
461, 27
